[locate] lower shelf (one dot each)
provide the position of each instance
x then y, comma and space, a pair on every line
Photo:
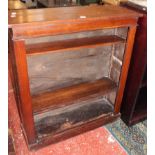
72, 110
69, 95
62, 123
61, 119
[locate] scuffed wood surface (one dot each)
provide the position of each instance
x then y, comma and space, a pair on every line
71, 116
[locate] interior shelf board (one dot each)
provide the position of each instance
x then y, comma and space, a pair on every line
69, 44
65, 96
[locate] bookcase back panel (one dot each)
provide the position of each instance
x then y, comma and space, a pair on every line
51, 71
71, 36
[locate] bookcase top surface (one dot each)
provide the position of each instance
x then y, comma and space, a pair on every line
64, 14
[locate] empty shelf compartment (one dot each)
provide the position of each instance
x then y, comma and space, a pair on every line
69, 95
71, 116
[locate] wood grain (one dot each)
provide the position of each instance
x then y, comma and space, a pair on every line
66, 45
69, 95
43, 22
134, 103
18, 57
70, 13
125, 67
46, 22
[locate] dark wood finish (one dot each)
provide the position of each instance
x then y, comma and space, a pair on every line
38, 23
58, 15
18, 57
90, 125
27, 24
58, 46
31, 30
70, 116
125, 66
134, 106
68, 95
140, 109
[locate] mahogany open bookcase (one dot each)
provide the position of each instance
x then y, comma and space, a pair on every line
69, 68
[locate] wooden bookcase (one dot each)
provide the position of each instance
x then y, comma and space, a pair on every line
134, 103
86, 66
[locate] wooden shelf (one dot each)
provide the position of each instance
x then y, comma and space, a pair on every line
69, 95
62, 45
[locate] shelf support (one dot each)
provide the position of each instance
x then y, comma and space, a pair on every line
125, 67
18, 58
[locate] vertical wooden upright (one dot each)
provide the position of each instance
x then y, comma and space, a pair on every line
125, 66
19, 63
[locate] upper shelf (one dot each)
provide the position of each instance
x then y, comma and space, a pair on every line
62, 45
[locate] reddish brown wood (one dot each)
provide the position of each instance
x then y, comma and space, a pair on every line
90, 125
29, 23
45, 22
134, 103
70, 94
10, 76
12, 71
125, 66
64, 27
56, 15
65, 45
18, 57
